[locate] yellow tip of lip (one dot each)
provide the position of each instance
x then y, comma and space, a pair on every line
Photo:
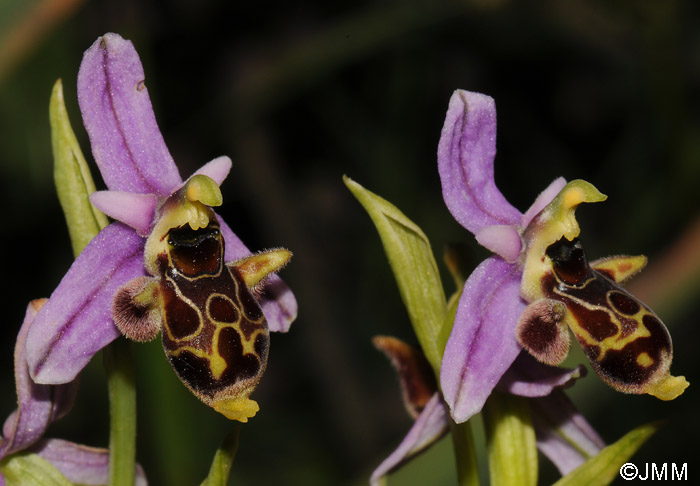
669, 387
239, 408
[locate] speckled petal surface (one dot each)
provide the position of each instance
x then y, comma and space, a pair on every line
77, 322
563, 434
430, 425
126, 142
465, 162
217, 169
81, 464
132, 209
544, 198
38, 405
529, 378
482, 344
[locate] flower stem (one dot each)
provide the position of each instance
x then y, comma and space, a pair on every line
223, 459
118, 359
465, 454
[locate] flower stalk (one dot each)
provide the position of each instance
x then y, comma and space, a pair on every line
121, 386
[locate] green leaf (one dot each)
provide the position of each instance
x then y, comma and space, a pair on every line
223, 459
72, 176
605, 466
411, 258
510, 440
26, 469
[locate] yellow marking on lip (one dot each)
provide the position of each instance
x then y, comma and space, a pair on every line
643, 359
615, 342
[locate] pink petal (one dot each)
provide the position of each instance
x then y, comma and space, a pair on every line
430, 425
126, 142
563, 434
38, 405
77, 322
132, 209
543, 199
216, 169
465, 161
529, 378
482, 345
277, 300
81, 464
503, 240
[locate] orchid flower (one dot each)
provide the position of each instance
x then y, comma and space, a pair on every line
562, 433
117, 277
499, 342
538, 261
40, 405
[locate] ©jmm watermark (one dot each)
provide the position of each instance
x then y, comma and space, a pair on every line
655, 472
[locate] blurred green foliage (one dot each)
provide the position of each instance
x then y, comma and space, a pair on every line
299, 94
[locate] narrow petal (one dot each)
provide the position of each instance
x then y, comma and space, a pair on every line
431, 424
482, 345
277, 300
126, 142
416, 377
38, 405
216, 169
543, 199
503, 240
563, 435
132, 209
465, 161
77, 322
529, 378
81, 464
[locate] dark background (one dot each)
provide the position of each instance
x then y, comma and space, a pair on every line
300, 93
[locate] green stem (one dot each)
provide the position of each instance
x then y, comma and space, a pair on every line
121, 385
465, 454
223, 460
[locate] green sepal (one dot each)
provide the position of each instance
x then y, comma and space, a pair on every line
605, 466
416, 272
510, 440
74, 183
27, 469
223, 459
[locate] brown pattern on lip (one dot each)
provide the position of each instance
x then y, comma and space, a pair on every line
214, 332
626, 343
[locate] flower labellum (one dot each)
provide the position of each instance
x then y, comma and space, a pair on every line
213, 330
627, 344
